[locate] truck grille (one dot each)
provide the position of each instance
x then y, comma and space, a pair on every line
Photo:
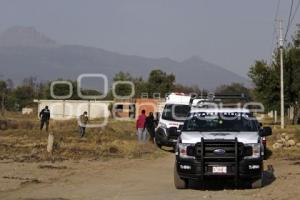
218, 150
219, 153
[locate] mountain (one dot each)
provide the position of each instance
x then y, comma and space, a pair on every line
26, 52
25, 36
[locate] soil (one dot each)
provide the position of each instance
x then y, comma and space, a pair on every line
133, 179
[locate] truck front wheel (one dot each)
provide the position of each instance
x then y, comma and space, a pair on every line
157, 142
257, 183
179, 182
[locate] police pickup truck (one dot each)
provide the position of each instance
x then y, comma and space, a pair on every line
220, 143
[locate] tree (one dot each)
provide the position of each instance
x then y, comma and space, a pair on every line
123, 89
234, 88
292, 88
160, 82
267, 79
23, 96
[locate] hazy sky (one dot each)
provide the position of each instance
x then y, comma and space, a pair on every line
230, 33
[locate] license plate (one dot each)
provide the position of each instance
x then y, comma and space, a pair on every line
219, 169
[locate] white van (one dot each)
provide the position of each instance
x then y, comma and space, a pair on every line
175, 112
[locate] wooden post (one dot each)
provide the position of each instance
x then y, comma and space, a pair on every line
50, 142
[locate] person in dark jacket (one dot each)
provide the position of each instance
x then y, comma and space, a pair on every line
150, 126
45, 118
82, 123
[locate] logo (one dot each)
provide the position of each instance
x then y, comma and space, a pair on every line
219, 151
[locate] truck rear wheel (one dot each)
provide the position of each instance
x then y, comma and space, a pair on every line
179, 182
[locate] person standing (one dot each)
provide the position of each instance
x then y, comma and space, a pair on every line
150, 126
83, 120
45, 117
140, 127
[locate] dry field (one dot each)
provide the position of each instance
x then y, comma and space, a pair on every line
23, 141
110, 164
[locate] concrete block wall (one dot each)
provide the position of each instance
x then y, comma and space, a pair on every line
68, 109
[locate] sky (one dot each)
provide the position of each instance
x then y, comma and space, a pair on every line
230, 33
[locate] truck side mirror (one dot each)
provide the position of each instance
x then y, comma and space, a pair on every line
265, 131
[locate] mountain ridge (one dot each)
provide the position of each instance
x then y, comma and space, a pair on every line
26, 52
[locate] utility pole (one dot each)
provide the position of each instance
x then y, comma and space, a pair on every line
281, 76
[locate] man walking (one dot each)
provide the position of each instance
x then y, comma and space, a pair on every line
83, 120
140, 127
45, 117
150, 126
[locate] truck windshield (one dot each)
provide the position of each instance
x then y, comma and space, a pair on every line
220, 122
175, 112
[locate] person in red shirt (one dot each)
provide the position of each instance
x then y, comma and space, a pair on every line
140, 127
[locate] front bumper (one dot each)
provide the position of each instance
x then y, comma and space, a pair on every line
192, 169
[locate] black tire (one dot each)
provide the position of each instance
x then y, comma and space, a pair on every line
257, 184
174, 148
157, 143
179, 182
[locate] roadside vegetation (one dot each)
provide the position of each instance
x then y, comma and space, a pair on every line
284, 143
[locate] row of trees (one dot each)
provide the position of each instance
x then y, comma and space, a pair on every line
162, 83
15, 98
266, 78
158, 82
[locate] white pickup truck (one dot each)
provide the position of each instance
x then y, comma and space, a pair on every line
220, 143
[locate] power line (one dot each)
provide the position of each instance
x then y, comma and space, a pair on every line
289, 20
295, 12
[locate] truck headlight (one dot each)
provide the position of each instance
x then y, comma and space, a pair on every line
255, 150
162, 125
182, 150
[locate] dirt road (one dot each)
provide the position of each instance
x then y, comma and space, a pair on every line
130, 180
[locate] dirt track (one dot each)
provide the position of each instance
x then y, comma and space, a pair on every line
131, 179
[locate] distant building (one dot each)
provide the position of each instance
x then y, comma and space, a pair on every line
68, 109
125, 109
27, 111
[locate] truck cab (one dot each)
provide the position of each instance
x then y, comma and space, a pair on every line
220, 142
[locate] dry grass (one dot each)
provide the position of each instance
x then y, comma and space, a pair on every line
291, 130
24, 142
